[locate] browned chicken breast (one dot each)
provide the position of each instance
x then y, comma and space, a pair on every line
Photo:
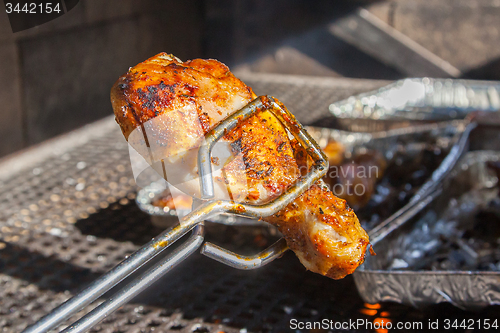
165, 107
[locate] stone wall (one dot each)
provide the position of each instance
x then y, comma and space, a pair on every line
57, 76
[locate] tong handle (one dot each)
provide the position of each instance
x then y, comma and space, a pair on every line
204, 211
139, 284
115, 275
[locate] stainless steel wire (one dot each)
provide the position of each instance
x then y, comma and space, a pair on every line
140, 283
245, 262
112, 278
204, 210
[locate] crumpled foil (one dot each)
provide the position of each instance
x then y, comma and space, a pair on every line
391, 275
421, 99
391, 142
449, 138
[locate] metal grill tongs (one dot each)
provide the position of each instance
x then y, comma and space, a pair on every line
203, 209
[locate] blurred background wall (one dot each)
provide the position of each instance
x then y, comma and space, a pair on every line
57, 76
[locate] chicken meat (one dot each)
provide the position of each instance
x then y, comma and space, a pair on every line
165, 107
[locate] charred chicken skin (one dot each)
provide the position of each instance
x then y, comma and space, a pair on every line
165, 107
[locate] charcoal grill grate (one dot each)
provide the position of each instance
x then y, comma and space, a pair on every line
70, 217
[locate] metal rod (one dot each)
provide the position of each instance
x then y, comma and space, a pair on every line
204, 211
205, 168
408, 214
288, 120
114, 276
446, 166
245, 262
139, 284
259, 104
427, 188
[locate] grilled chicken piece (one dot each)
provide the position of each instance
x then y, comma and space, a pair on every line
165, 107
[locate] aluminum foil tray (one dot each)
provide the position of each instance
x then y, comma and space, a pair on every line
417, 233
401, 145
387, 140
67, 216
421, 99
408, 140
